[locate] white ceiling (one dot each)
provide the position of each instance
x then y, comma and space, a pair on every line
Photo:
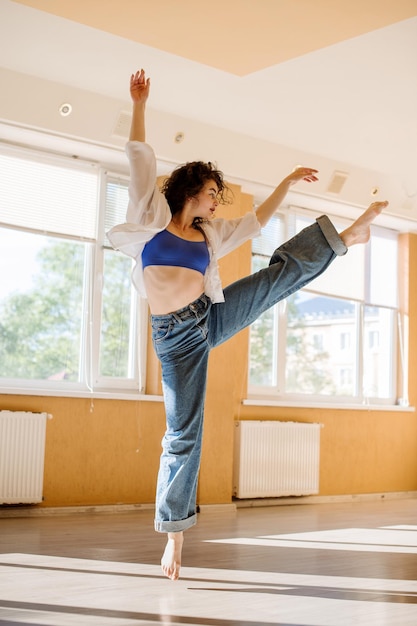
354, 102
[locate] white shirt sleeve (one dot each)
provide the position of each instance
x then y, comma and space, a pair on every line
229, 234
148, 211
147, 205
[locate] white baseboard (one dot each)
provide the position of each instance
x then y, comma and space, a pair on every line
37, 511
360, 497
217, 508
44, 511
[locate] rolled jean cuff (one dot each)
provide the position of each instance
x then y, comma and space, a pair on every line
331, 235
177, 526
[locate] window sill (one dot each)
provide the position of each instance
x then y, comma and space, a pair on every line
326, 405
114, 394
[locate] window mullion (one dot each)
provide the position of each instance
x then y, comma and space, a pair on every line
280, 352
86, 341
403, 343
360, 323
141, 347
97, 284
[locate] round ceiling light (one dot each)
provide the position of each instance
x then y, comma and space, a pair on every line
65, 109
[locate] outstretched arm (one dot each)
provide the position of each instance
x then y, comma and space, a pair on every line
139, 91
267, 209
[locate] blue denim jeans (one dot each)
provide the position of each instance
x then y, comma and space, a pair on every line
183, 340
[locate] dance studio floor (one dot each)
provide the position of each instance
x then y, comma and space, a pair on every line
334, 564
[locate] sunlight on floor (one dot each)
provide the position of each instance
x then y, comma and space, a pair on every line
395, 539
49, 590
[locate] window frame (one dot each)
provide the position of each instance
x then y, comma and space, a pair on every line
90, 383
276, 393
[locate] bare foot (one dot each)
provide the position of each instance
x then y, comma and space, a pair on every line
171, 559
359, 231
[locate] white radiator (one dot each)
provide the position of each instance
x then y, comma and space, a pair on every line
273, 459
22, 454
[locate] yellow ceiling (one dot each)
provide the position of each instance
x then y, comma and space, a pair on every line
236, 36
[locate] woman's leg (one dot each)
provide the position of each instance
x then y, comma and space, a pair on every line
292, 266
180, 343
184, 387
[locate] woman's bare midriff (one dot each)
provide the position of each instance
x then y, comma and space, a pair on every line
171, 288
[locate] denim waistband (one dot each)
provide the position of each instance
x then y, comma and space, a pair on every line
191, 310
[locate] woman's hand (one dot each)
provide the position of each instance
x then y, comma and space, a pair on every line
139, 87
139, 90
302, 173
267, 209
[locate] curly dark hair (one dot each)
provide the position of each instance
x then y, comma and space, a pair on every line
186, 181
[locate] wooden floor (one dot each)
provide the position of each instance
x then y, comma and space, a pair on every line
347, 564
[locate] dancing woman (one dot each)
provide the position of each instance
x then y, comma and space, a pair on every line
176, 241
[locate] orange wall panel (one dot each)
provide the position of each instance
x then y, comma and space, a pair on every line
107, 451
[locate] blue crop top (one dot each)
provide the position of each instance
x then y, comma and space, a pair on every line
168, 249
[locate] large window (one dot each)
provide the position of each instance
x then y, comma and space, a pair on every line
336, 340
68, 313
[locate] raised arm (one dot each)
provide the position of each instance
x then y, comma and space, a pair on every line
267, 209
139, 91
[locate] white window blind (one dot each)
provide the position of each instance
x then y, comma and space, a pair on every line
272, 236
345, 277
48, 198
116, 205
383, 267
